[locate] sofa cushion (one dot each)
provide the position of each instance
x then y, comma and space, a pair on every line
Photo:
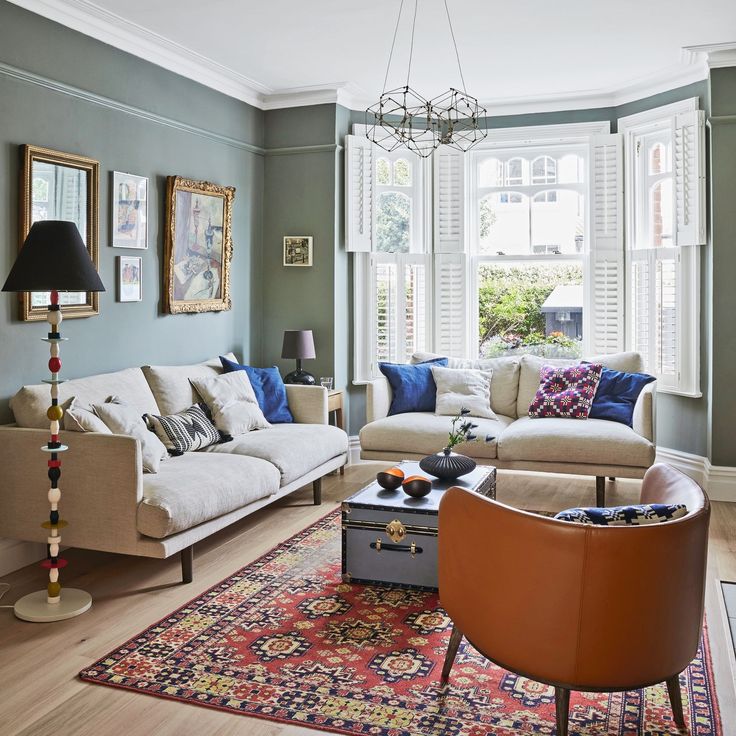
412, 385
616, 396
30, 404
295, 449
531, 366
594, 441
187, 431
170, 383
196, 487
463, 388
505, 381
422, 433
566, 391
82, 419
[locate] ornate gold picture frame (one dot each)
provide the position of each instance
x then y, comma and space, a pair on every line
59, 186
198, 246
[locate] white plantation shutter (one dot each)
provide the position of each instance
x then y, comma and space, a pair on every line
416, 294
603, 320
449, 200
358, 194
689, 169
386, 309
451, 322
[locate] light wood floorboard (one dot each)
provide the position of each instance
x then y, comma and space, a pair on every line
40, 694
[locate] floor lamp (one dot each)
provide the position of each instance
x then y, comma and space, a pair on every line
53, 258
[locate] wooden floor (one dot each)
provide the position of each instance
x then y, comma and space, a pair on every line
40, 694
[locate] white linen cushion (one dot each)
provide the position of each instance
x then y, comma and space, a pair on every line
531, 365
422, 433
125, 419
197, 487
78, 418
232, 402
170, 383
295, 449
594, 441
505, 381
463, 388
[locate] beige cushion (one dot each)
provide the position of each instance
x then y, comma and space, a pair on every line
593, 441
79, 418
505, 381
232, 402
424, 433
30, 404
295, 449
463, 388
531, 365
170, 383
125, 419
196, 487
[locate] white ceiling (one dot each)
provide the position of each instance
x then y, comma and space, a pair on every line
512, 52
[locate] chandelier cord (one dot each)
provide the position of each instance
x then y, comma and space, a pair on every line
411, 48
454, 43
393, 43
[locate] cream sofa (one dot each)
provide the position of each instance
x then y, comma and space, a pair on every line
585, 447
112, 505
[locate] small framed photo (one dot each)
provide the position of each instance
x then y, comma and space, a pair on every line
130, 279
129, 211
298, 250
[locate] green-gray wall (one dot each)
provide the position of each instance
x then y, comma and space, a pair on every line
66, 91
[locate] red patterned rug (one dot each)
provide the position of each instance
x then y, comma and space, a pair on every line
285, 639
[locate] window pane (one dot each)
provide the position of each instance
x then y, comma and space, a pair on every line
571, 169
402, 173
504, 224
416, 309
514, 171
659, 158
544, 170
383, 171
532, 307
557, 222
393, 223
660, 213
490, 173
386, 311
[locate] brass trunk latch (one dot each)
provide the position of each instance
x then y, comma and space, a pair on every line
395, 531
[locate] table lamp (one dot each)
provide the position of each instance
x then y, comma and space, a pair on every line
53, 258
298, 344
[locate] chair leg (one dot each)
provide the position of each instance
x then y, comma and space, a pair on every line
317, 490
455, 638
562, 709
187, 564
612, 479
600, 490
673, 688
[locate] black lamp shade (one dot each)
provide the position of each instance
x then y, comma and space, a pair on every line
53, 258
298, 344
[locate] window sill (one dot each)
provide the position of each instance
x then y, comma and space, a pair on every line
677, 392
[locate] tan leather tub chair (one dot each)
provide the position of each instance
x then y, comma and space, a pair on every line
576, 606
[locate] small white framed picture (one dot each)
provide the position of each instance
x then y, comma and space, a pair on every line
298, 250
130, 279
129, 210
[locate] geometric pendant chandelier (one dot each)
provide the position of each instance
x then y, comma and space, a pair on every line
404, 118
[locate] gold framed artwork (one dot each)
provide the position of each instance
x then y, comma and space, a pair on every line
199, 246
298, 250
59, 186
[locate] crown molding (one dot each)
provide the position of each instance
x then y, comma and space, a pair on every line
713, 55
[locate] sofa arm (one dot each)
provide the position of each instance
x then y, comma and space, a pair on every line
378, 397
308, 404
101, 487
644, 419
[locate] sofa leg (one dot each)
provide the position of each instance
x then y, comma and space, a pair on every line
455, 638
673, 688
600, 490
187, 564
562, 709
317, 490
612, 479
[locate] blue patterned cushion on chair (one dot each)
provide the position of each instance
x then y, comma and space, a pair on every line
653, 513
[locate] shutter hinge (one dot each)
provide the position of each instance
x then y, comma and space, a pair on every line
638, 147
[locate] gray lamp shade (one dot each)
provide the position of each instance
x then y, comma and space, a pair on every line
53, 258
298, 344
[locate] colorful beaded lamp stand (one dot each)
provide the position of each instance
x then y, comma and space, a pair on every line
51, 604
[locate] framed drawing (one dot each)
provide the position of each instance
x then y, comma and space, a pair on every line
130, 279
298, 250
129, 211
59, 186
198, 246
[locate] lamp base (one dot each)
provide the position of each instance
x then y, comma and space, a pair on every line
300, 376
34, 606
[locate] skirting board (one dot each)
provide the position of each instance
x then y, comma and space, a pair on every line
15, 554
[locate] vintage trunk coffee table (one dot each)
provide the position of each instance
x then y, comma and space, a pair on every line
389, 538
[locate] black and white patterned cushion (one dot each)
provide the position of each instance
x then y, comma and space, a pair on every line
191, 429
651, 513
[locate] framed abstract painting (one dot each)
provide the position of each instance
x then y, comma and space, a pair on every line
198, 242
298, 250
129, 210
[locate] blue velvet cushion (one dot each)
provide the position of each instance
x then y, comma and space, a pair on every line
650, 513
269, 390
413, 386
617, 394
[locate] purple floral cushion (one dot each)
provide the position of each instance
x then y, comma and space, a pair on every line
566, 391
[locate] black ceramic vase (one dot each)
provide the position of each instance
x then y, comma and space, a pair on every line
447, 465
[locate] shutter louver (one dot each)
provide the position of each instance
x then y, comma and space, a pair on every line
640, 298
604, 317
666, 347
449, 201
689, 169
358, 194
450, 305
386, 298
415, 284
